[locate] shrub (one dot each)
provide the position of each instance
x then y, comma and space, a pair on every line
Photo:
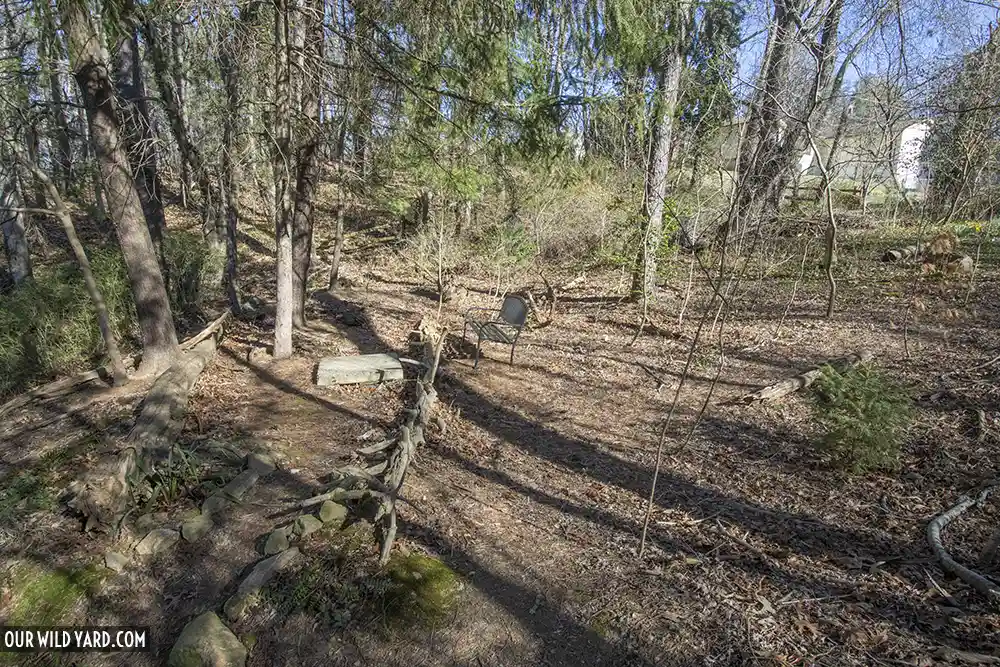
864, 414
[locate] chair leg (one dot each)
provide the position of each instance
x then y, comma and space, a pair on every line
479, 342
512, 354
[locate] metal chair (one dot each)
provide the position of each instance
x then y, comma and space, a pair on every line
504, 326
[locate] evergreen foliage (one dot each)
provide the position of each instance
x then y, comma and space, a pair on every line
864, 416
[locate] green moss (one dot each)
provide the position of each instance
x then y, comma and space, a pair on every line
425, 589
41, 596
33, 489
340, 587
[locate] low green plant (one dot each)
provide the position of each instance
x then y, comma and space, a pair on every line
191, 266
48, 327
42, 596
864, 415
413, 590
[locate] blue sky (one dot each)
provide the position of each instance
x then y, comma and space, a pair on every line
935, 32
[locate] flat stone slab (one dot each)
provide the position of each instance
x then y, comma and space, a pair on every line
206, 641
262, 572
157, 541
360, 368
239, 485
260, 464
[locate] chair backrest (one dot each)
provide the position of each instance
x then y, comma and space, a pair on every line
514, 310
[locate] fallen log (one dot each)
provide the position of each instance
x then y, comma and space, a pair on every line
383, 482
213, 327
986, 587
54, 389
792, 384
103, 492
909, 252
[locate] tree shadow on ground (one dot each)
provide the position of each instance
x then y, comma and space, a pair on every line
797, 533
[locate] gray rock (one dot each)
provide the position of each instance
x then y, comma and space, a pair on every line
206, 642
239, 485
145, 523
333, 513
276, 542
307, 524
196, 528
157, 541
260, 464
262, 572
115, 561
215, 504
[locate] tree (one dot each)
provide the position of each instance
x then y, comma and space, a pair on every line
668, 71
282, 166
139, 132
118, 373
307, 158
15, 240
90, 67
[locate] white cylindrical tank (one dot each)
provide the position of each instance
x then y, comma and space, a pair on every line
911, 145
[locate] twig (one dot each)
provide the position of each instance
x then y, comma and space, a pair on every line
974, 368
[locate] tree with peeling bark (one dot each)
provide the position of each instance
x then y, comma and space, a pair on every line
90, 66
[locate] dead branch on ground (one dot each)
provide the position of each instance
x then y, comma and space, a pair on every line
383, 481
983, 585
102, 494
792, 384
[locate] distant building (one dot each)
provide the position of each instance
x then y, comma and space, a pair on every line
867, 154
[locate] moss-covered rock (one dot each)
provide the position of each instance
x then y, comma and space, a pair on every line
424, 588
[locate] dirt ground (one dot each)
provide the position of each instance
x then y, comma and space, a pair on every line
758, 551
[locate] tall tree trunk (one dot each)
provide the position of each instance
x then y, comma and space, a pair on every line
282, 185
644, 276
15, 240
338, 248
307, 179
139, 133
89, 63
768, 157
176, 69
229, 65
118, 372
64, 151
37, 192
170, 83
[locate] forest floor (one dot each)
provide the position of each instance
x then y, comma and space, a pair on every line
534, 492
